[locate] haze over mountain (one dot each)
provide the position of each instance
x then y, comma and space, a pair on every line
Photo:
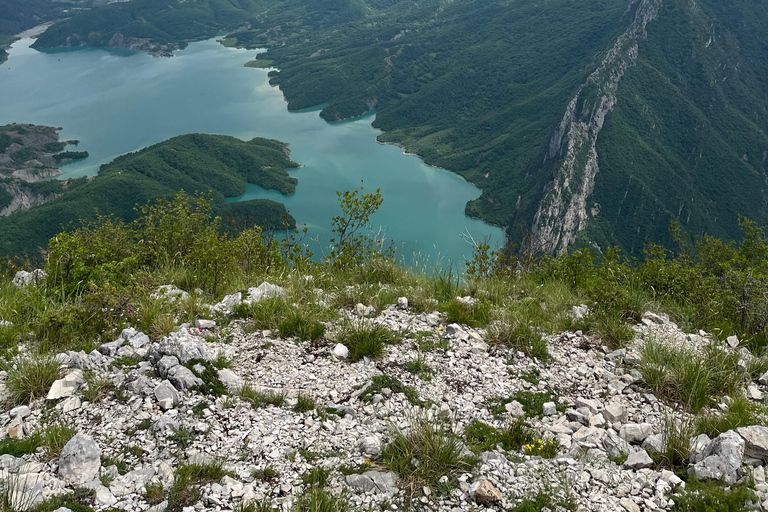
584, 122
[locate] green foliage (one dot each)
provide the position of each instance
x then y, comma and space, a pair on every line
740, 413
481, 437
54, 437
543, 449
424, 454
476, 315
30, 377
713, 496
187, 479
183, 437
262, 399
532, 402
679, 375
19, 447
366, 339
351, 245
267, 474
212, 385
380, 382
317, 499
96, 386
419, 368
304, 403
316, 477
199, 164
519, 337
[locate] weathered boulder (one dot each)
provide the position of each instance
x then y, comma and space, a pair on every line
721, 459
756, 441
232, 381
638, 460
80, 461
65, 387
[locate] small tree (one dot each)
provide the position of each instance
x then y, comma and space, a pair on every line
351, 244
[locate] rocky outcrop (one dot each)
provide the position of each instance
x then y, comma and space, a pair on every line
24, 198
597, 409
564, 209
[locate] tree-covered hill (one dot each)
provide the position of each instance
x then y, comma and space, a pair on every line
583, 121
208, 164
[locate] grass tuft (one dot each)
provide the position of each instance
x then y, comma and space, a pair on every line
30, 377
365, 338
424, 454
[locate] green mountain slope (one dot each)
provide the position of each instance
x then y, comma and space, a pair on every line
215, 164
583, 121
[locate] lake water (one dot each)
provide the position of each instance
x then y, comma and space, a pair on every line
117, 101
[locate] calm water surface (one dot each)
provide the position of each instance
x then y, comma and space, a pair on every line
117, 101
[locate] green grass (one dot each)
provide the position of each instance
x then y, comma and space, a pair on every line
379, 382
183, 437
365, 338
96, 386
317, 499
519, 337
19, 447
477, 315
740, 413
419, 368
677, 375
316, 477
425, 453
481, 437
532, 402
187, 479
262, 399
304, 403
713, 497
30, 377
267, 474
54, 437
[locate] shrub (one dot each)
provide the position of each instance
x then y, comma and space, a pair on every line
424, 454
30, 377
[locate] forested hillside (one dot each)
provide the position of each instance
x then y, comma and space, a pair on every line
586, 122
198, 164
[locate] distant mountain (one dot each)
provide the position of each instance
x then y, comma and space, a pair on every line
215, 164
584, 122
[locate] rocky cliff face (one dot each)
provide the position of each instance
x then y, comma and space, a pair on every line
564, 211
23, 198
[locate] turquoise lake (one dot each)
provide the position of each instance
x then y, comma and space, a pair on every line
117, 101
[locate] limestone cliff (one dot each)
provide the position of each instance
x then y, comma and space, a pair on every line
563, 211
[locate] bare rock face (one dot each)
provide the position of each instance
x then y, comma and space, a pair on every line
484, 493
80, 461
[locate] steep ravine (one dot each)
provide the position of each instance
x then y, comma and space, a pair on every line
563, 211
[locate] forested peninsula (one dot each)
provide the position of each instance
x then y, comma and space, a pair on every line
218, 165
